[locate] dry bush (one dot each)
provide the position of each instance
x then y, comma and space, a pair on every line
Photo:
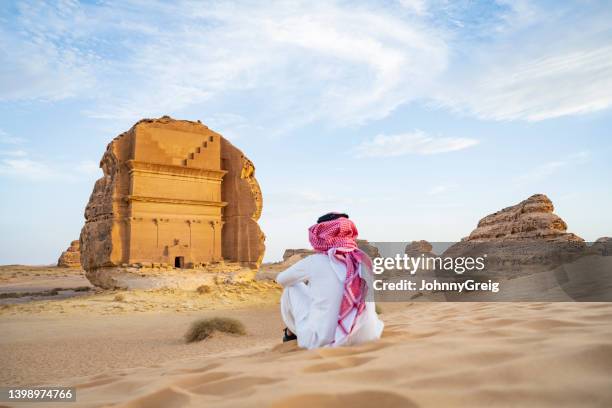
203, 289
203, 328
119, 297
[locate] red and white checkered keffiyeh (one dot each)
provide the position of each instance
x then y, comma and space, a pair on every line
341, 234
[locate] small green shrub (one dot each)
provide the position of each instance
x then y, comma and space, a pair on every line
201, 329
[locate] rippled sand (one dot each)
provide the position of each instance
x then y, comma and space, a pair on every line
432, 354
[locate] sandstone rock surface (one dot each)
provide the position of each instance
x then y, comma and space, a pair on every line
174, 194
418, 248
268, 271
368, 248
603, 246
521, 239
71, 257
296, 253
532, 218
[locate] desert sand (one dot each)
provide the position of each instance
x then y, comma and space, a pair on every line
126, 349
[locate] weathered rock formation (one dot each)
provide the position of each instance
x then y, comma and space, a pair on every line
521, 239
174, 194
418, 248
368, 248
532, 218
602, 246
296, 254
291, 256
71, 257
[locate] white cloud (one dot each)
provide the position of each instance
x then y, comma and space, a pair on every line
13, 153
550, 168
547, 87
283, 65
439, 189
417, 142
40, 59
5, 138
298, 61
20, 165
88, 167
416, 6
27, 169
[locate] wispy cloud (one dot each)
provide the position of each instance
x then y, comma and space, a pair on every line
282, 65
13, 153
547, 87
19, 165
88, 167
5, 138
296, 60
28, 169
417, 142
550, 168
440, 189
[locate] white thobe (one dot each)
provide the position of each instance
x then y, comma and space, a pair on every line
310, 303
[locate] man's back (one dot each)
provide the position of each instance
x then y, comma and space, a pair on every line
316, 322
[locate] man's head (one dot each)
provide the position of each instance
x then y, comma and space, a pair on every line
331, 216
333, 230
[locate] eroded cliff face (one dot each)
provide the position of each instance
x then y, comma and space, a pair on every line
243, 240
103, 236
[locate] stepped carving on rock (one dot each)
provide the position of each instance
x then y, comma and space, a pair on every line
71, 257
524, 238
175, 196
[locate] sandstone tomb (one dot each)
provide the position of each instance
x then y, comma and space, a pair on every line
176, 200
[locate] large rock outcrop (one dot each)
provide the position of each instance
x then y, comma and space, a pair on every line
521, 239
532, 218
71, 257
175, 195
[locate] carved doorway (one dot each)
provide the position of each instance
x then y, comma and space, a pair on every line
179, 262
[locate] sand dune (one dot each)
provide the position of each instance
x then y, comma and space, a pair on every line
432, 354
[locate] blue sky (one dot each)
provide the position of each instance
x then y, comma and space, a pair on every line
416, 117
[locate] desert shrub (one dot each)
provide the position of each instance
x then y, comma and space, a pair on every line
203, 328
119, 297
203, 289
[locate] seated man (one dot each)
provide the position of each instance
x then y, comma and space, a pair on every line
324, 297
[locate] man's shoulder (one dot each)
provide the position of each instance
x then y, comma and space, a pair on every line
315, 257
